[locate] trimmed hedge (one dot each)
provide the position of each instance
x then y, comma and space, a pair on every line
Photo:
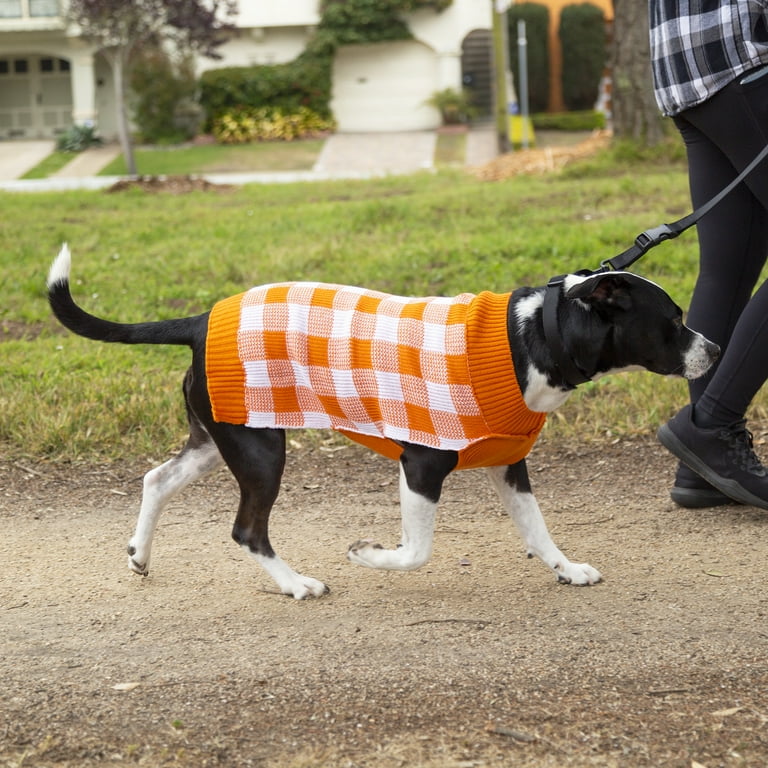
303, 82
585, 52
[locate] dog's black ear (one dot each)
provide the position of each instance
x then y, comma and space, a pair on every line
606, 289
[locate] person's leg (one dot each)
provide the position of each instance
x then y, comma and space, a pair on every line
730, 129
722, 137
733, 239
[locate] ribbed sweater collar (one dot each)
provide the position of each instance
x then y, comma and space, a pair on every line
491, 369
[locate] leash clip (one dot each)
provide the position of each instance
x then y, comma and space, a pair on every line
643, 243
651, 237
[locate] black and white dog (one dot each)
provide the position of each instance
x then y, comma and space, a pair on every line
605, 323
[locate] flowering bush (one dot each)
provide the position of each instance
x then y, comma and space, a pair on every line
240, 126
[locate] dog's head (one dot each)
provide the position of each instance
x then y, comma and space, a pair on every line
641, 327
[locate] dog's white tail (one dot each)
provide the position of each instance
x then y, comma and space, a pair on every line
62, 264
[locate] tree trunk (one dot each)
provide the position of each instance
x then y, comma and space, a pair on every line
117, 60
635, 113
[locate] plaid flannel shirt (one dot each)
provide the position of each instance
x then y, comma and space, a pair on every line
699, 46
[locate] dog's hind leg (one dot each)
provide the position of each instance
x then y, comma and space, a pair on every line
198, 457
257, 458
514, 488
422, 472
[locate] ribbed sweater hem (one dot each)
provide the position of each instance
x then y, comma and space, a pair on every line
223, 367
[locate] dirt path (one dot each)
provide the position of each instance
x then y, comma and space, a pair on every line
479, 659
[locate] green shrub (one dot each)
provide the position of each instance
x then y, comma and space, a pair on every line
244, 125
77, 138
585, 51
455, 107
371, 21
304, 82
165, 110
536, 19
363, 21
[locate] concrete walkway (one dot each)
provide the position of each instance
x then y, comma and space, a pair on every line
378, 153
482, 145
17, 157
88, 163
344, 156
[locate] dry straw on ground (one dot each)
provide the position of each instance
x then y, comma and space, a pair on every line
538, 161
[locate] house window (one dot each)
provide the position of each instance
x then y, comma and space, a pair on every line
54, 65
20, 66
10, 9
4, 68
43, 7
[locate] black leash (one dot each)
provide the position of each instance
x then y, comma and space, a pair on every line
652, 237
571, 373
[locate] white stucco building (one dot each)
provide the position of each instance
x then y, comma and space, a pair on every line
50, 78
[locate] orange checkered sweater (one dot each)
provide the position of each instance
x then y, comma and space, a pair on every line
381, 369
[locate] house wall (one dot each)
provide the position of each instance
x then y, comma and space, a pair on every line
259, 45
385, 86
278, 13
381, 87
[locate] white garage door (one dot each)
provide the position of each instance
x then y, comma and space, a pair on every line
384, 87
35, 96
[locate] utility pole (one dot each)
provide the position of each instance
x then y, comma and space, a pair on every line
501, 68
522, 63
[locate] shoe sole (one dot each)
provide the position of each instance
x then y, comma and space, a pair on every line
700, 498
731, 488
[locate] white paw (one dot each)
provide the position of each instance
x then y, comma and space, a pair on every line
288, 581
362, 552
305, 586
136, 563
580, 574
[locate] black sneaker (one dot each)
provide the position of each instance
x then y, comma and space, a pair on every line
694, 492
722, 456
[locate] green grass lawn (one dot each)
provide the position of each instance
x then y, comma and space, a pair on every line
220, 158
54, 162
301, 155
140, 256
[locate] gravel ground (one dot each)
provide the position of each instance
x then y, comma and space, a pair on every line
478, 659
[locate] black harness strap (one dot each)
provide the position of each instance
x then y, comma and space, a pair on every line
571, 372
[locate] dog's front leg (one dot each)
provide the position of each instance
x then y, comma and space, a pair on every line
422, 472
514, 488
